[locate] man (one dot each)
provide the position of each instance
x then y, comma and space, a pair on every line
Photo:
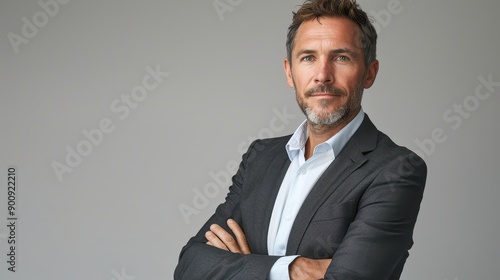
335, 200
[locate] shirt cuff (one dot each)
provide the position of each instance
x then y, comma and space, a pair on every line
279, 271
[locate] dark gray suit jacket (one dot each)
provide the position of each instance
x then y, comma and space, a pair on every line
361, 212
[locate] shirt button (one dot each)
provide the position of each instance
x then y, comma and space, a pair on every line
289, 218
303, 172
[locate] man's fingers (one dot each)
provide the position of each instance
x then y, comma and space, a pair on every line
214, 240
226, 238
240, 236
220, 238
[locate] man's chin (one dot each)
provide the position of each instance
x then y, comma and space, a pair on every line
331, 119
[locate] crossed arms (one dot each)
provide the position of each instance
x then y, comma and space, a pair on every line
300, 269
371, 219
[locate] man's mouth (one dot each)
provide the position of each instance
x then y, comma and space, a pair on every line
324, 91
324, 94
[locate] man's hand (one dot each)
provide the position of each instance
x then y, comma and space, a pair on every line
220, 238
308, 269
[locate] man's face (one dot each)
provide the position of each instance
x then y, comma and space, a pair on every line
328, 70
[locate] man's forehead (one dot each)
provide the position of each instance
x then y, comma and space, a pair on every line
337, 29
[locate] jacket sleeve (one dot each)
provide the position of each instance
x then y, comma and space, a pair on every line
377, 241
198, 260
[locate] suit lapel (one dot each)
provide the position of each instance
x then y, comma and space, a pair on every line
351, 158
260, 202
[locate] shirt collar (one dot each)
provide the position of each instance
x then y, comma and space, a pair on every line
336, 143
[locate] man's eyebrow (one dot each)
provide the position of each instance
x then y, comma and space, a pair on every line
305, 51
335, 51
341, 50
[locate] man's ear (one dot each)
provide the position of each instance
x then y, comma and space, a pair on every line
288, 72
371, 74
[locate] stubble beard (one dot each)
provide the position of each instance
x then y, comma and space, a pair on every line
330, 119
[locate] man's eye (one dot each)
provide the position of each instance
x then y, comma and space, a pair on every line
307, 58
342, 58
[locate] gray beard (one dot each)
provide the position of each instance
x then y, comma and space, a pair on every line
331, 119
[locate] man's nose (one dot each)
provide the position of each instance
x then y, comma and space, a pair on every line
324, 72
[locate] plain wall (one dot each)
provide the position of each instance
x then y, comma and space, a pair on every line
114, 212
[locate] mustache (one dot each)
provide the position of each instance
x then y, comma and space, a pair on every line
325, 88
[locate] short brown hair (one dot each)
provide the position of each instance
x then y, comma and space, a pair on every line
314, 9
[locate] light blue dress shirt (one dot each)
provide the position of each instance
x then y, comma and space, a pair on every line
299, 179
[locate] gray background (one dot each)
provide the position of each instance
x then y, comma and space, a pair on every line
116, 215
